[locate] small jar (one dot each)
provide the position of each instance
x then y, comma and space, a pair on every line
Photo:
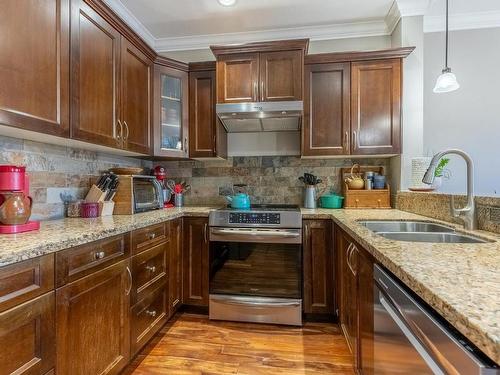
73, 209
89, 209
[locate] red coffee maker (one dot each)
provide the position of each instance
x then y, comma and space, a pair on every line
15, 202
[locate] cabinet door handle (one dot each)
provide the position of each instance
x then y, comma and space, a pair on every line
129, 280
346, 141
126, 128
205, 233
119, 136
262, 90
185, 144
354, 140
255, 94
151, 269
350, 250
151, 236
152, 314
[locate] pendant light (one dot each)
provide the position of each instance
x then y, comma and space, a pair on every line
447, 81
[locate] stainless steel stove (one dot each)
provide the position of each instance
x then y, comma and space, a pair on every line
256, 264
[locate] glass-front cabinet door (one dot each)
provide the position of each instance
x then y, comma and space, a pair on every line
171, 112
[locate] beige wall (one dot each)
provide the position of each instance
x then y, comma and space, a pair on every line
319, 46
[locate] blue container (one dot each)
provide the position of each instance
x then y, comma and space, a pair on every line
379, 182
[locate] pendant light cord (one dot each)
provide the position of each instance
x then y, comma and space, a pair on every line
446, 43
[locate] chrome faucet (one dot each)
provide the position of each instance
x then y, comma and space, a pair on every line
467, 213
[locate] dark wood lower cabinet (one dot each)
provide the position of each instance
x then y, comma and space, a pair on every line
318, 273
195, 261
356, 300
93, 335
175, 266
27, 337
147, 317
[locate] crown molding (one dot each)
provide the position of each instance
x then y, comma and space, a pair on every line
334, 31
128, 17
463, 21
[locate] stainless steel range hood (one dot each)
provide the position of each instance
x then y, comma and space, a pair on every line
261, 116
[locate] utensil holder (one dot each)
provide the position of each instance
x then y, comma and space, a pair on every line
179, 200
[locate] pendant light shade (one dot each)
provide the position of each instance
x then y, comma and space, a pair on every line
447, 81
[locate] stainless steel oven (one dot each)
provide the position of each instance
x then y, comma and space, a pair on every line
256, 265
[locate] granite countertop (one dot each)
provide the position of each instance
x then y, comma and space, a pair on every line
55, 235
460, 281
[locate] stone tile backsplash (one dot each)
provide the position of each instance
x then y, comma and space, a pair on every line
270, 179
437, 206
56, 169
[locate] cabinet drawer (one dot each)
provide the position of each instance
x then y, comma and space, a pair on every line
27, 337
74, 263
149, 269
25, 280
145, 238
148, 316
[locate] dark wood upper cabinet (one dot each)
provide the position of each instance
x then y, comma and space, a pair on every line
318, 267
207, 136
195, 261
281, 75
326, 125
376, 107
27, 337
238, 78
136, 74
175, 266
262, 71
95, 64
170, 112
93, 335
34, 65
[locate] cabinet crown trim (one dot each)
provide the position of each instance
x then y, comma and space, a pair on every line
279, 45
324, 58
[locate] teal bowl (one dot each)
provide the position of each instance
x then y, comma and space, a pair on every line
331, 201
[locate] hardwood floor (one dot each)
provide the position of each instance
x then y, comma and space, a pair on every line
191, 344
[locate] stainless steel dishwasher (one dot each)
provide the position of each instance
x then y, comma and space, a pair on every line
408, 339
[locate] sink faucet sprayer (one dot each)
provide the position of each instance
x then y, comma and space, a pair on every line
467, 213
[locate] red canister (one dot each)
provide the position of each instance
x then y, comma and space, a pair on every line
12, 177
89, 209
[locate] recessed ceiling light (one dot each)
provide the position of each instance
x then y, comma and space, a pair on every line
227, 3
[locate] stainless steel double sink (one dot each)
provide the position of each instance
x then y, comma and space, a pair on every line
418, 231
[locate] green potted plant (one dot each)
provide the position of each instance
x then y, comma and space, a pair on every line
441, 172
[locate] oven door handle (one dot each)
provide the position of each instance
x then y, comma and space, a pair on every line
230, 301
257, 233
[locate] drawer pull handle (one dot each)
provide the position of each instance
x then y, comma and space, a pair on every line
151, 269
99, 255
151, 313
151, 236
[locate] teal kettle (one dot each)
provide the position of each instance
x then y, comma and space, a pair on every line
239, 201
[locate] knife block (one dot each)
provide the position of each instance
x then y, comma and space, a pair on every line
95, 195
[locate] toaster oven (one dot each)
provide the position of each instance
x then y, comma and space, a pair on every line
137, 193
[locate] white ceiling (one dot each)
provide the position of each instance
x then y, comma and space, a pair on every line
177, 25
175, 18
